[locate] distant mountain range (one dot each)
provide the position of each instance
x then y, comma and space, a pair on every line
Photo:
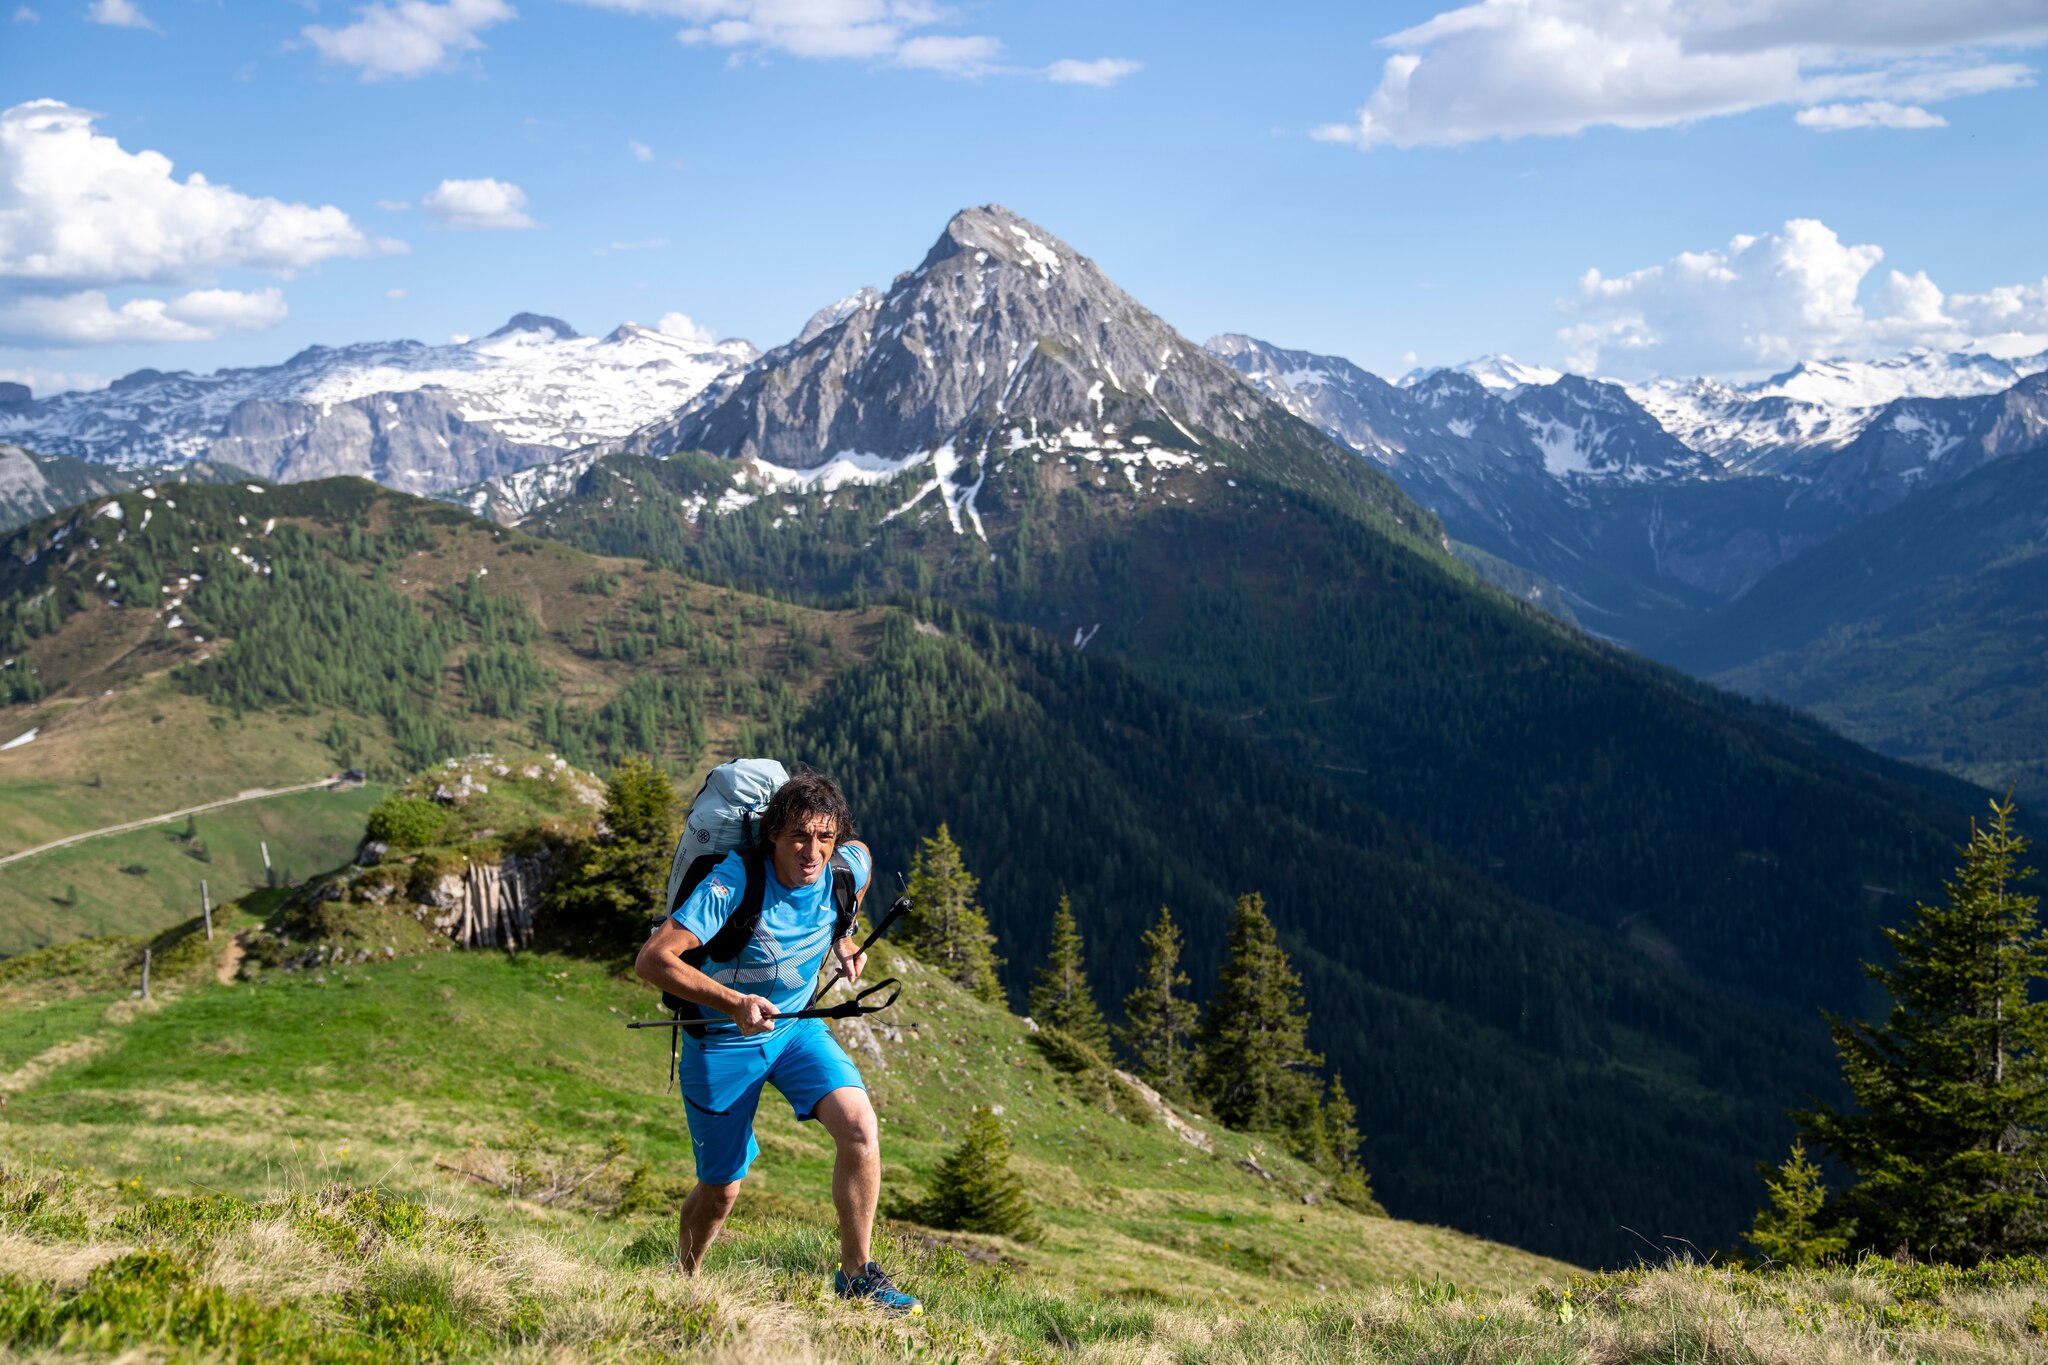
1640, 512
421, 418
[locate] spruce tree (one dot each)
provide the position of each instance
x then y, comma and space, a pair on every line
1350, 1185
949, 928
1793, 1231
1061, 998
1157, 1020
1252, 1058
614, 885
1952, 1089
974, 1188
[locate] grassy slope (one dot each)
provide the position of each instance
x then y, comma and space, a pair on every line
91, 889
145, 749
301, 1092
375, 1073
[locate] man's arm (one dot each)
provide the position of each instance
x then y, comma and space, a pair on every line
661, 964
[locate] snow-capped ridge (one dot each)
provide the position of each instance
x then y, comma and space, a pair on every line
418, 417
1497, 373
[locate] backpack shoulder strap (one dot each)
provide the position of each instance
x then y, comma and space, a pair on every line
693, 877
739, 926
732, 936
844, 901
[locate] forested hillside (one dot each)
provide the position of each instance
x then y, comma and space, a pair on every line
1746, 843
1920, 631
407, 630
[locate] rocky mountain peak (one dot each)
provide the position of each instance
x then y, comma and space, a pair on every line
536, 322
1014, 240
1440, 387
1002, 327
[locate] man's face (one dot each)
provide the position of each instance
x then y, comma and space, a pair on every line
803, 850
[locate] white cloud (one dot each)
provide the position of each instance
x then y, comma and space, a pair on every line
1835, 118
410, 37
1773, 298
640, 150
680, 325
87, 319
44, 382
24, 15
615, 248
76, 209
1104, 71
1512, 68
394, 205
884, 31
962, 55
478, 205
394, 293
119, 14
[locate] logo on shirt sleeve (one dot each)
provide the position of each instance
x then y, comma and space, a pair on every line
718, 888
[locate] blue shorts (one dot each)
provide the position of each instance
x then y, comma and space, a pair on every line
722, 1087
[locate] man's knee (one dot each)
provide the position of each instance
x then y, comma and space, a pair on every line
716, 1199
850, 1118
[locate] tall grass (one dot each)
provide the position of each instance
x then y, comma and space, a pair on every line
340, 1274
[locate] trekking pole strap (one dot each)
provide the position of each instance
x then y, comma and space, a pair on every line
897, 911
850, 1008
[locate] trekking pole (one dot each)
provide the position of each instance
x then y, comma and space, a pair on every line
846, 1009
896, 911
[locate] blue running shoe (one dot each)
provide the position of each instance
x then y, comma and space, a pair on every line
872, 1285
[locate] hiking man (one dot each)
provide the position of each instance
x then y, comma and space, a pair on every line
805, 831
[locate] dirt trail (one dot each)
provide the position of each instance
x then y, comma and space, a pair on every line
252, 794
230, 960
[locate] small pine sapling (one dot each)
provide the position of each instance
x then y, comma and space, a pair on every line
1793, 1230
974, 1189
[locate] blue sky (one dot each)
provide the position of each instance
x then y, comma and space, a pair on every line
585, 160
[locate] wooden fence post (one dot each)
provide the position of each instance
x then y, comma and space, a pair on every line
206, 907
145, 973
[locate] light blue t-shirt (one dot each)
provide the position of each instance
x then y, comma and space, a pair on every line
789, 945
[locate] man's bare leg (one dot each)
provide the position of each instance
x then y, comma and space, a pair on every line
705, 1210
856, 1171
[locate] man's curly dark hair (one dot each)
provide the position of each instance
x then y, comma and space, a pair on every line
800, 798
